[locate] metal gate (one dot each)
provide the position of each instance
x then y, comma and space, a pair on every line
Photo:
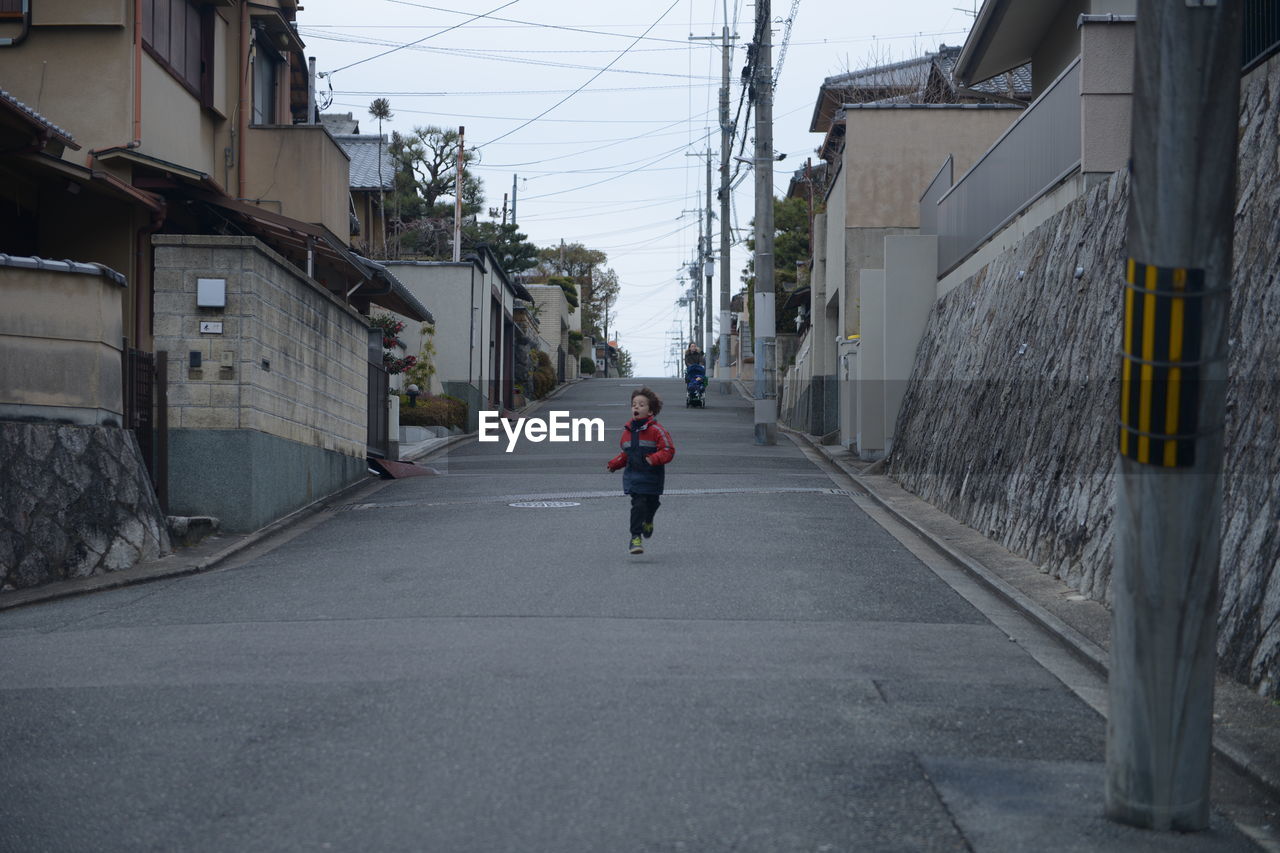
146, 409
140, 401
378, 442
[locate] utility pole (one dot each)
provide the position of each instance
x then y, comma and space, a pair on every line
457, 202
726, 129
514, 178
606, 340
709, 270
766, 405
725, 148
1173, 406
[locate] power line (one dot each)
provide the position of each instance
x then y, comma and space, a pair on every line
424, 38
597, 148
510, 118
543, 25
473, 53
593, 77
479, 93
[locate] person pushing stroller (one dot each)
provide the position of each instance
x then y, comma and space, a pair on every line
695, 377
646, 450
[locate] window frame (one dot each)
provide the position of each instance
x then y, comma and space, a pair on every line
197, 45
265, 51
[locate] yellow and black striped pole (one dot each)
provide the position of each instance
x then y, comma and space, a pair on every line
1172, 408
1160, 372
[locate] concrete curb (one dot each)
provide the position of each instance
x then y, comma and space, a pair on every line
1087, 651
192, 561
180, 563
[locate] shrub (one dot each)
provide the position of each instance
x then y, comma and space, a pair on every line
434, 410
543, 374
588, 365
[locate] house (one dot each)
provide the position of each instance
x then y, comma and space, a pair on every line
474, 302
878, 153
69, 463
557, 323
372, 181
238, 260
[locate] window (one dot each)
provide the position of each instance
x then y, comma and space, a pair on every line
178, 35
267, 65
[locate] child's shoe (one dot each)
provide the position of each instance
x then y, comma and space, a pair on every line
647, 527
637, 547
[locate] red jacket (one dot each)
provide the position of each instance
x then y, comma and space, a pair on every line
646, 449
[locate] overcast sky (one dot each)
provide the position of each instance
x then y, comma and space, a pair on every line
595, 106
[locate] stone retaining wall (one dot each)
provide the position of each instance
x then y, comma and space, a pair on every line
76, 502
1009, 423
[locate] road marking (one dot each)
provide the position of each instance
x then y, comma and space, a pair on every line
543, 499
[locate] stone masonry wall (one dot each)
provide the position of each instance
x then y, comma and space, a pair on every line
76, 502
297, 357
1009, 423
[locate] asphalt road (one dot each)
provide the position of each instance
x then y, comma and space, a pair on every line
430, 668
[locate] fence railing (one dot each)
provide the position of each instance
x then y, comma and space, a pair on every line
1037, 151
1261, 31
929, 201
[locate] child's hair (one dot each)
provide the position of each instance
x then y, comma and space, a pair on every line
655, 402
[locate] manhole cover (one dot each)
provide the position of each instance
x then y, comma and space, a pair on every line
544, 503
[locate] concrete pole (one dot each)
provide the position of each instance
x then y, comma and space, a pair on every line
766, 406
1173, 389
709, 312
457, 202
725, 130
514, 188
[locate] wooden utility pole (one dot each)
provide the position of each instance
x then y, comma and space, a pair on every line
457, 202
766, 404
1173, 403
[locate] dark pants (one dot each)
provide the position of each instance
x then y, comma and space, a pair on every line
643, 508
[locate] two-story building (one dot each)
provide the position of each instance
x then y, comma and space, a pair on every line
235, 246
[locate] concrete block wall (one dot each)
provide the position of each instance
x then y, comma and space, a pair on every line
297, 358
275, 414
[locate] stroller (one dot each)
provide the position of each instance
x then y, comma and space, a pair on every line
695, 380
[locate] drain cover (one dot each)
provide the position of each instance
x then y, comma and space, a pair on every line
544, 503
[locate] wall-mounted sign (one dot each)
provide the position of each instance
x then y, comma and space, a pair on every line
210, 328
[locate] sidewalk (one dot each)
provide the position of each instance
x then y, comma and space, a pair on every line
221, 547
1247, 726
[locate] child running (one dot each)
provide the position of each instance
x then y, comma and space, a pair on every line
646, 449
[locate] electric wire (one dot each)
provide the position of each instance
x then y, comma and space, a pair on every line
539, 23
584, 85
424, 38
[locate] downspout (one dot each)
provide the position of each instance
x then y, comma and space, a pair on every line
137, 88
243, 119
26, 27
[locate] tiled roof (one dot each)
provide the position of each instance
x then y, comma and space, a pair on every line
998, 85
911, 72
35, 118
363, 151
340, 123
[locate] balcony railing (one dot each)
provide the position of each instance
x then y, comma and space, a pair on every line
1261, 31
1038, 151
